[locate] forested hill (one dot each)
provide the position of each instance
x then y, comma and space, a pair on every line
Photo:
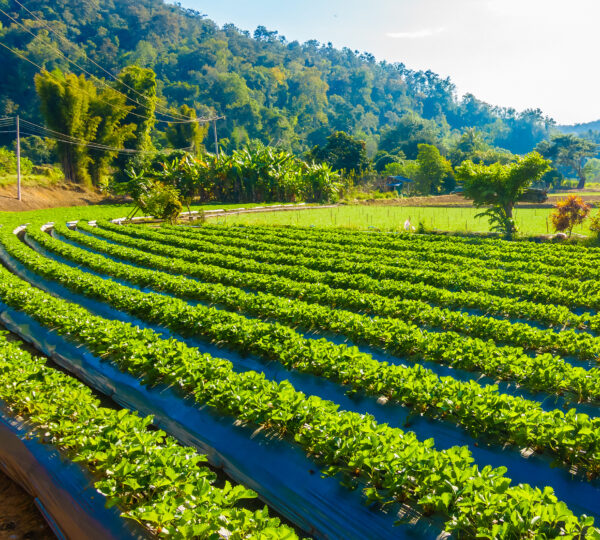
580, 129
279, 91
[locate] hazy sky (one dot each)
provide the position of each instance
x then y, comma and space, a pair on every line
517, 53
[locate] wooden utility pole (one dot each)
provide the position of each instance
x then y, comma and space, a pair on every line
18, 160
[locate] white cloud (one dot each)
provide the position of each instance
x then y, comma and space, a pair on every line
418, 34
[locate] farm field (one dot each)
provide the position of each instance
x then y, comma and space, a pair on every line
360, 384
531, 221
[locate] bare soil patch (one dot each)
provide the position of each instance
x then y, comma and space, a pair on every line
35, 198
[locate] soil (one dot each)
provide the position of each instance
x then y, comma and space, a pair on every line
34, 198
19, 517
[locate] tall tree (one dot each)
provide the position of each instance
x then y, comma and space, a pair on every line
435, 174
189, 134
342, 152
108, 110
501, 187
139, 85
65, 105
569, 151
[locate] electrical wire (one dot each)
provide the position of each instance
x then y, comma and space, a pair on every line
65, 39
176, 119
20, 55
58, 51
69, 139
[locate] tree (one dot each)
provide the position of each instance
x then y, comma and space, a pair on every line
592, 170
435, 174
108, 111
65, 105
139, 85
569, 151
570, 212
188, 134
501, 187
342, 152
382, 159
408, 133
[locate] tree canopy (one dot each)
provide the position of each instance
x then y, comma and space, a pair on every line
570, 151
501, 186
284, 93
343, 153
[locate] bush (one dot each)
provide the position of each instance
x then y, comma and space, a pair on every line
570, 212
162, 202
8, 162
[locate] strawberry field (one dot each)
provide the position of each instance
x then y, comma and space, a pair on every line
360, 384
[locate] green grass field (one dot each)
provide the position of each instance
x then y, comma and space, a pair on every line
529, 221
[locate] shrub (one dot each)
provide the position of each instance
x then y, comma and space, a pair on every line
570, 212
8, 163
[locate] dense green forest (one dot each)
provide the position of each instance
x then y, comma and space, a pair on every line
293, 95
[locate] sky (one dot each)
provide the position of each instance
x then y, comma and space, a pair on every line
513, 53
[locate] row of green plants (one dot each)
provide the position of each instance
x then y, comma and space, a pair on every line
525, 246
411, 257
375, 298
501, 250
423, 295
252, 174
143, 472
390, 466
371, 277
418, 270
392, 334
478, 409
472, 254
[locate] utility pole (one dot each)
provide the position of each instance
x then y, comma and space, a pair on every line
216, 139
18, 160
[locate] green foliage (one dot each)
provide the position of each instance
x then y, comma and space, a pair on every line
187, 135
343, 153
570, 151
8, 163
289, 94
471, 146
40, 151
408, 133
500, 187
591, 170
382, 159
434, 174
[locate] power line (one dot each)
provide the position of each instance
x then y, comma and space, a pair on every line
128, 111
57, 50
182, 119
19, 54
69, 139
